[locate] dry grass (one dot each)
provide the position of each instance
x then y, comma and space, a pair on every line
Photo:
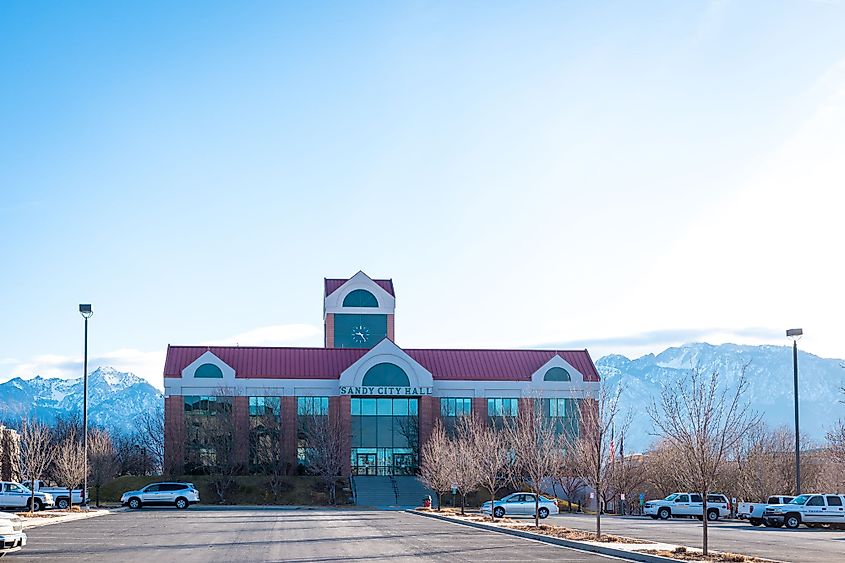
683, 554
51, 513
544, 529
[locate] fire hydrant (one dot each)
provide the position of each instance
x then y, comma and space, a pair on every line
427, 501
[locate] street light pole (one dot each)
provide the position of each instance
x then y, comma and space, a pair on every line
795, 335
86, 312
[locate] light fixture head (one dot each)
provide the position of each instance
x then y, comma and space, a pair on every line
85, 310
794, 333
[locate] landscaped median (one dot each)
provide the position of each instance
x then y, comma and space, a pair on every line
47, 517
631, 549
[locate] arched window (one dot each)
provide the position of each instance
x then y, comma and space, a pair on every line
360, 298
557, 374
209, 371
386, 374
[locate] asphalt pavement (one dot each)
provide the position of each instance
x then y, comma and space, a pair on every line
804, 545
245, 535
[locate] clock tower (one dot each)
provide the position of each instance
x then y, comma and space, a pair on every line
358, 312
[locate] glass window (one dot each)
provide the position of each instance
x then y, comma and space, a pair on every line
355, 406
557, 408
557, 374
816, 501
502, 407
682, 498
834, 501
152, 489
205, 405
386, 374
368, 407
452, 406
265, 406
360, 298
697, 498
384, 407
400, 407
306, 406
208, 371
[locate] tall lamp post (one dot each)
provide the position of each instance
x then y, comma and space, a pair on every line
86, 312
795, 334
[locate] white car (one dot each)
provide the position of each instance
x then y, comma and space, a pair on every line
753, 511
12, 537
180, 495
15, 495
688, 505
521, 504
60, 494
811, 510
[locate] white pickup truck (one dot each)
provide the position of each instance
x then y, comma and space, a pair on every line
15, 495
60, 494
814, 511
12, 537
753, 511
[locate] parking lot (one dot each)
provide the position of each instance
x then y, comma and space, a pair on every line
803, 545
204, 534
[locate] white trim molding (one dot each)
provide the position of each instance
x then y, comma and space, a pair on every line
386, 352
333, 303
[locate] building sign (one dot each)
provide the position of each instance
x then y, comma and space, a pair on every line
386, 391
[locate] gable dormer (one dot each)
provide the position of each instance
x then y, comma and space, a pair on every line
358, 311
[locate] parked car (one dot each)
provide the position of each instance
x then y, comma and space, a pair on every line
16, 495
60, 494
753, 511
180, 495
12, 537
812, 510
521, 504
688, 505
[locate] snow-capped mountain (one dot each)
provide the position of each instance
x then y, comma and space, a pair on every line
115, 399
769, 372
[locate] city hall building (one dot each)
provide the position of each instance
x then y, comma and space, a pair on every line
363, 379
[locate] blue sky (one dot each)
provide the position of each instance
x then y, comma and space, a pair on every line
631, 174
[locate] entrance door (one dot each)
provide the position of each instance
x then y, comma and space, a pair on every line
366, 464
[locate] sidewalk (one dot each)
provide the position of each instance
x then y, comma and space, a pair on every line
47, 517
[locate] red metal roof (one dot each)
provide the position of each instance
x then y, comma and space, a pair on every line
333, 283
327, 363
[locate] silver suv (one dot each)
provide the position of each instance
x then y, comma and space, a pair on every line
180, 495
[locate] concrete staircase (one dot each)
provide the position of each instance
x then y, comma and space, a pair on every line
389, 492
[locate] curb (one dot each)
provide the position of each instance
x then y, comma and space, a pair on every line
580, 546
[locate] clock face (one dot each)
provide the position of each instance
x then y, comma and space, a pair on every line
360, 334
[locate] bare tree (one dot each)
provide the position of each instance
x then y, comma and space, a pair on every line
437, 462
211, 441
836, 441
492, 452
69, 464
102, 460
466, 466
571, 485
150, 434
662, 474
36, 453
538, 449
592, 447
627, 473
324, 455
704, 420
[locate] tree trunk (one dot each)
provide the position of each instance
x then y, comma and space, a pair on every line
32, 495
493, 506
463, 503
704, 522
69, 499
536, 510
97, 493
439, 501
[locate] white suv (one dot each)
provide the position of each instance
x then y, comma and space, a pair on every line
688, 505
813, 510
180, 495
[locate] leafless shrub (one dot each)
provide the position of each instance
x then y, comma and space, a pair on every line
69, 464
492, 449
704, 421
36, 452
467, 471
537, 449
102, 460
150, 435
437, 462
325, 451
592, 448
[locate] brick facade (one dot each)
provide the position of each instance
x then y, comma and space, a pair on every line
329, 335
391, 333
428, 413
289, 429
479, 408
174, 434
240, 410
